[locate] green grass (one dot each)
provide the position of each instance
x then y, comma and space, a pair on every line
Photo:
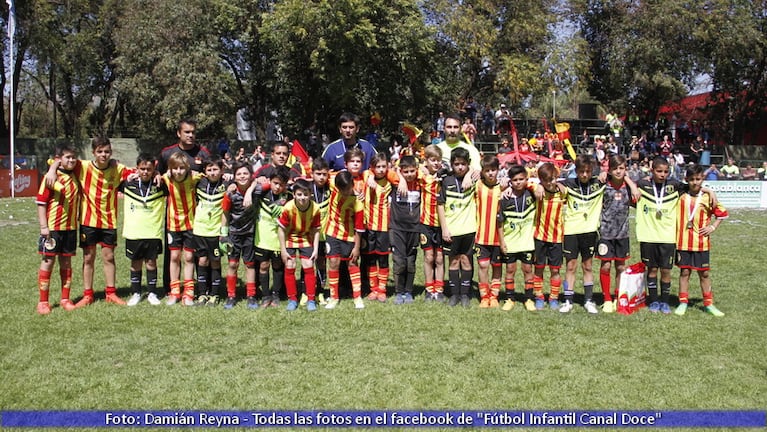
420, 356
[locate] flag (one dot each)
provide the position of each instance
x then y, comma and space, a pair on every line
299, 152
375, 119
514, 137
411, 131
563, 132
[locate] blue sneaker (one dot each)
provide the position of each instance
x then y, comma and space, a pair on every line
654, 307
539, 304
665, 308
553, 304
311, 306
408, 298
230, 302
252, 303
399, 299
292, 305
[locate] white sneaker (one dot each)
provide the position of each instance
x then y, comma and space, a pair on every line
153, 300
566, 307
591, 307
187, 301
331, 304
304, 300
171, 300
134, 299
358, 303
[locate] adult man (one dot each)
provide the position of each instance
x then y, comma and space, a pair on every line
349, 126
503, 120
186, 132
730, 170
453, 140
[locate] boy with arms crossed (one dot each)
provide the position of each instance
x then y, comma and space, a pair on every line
405, 229
207, 226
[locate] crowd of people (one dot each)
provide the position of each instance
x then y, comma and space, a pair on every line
351, 217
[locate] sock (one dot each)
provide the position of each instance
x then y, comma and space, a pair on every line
175, 288
231, 285
439, 286
466, 277
151, 281
454, 281
538, 287
110, 290
683, 297
290, 285
554, 293
652, 289
135, 281
708, 298
484, 290
263, 280
43, 284
66, 282
509, 285
189, 285
495, 288
203, 282
250, 289
215, 281
429, 287
373, 277
310, 283
383, 279
665, 291
356, 280
529, 288
333, 283
605, 282
588, 291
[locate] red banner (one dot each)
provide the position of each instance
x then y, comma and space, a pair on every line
26, 183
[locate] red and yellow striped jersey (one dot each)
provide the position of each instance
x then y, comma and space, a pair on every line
98, 205
488, 204
181, 202
377, 204
345, 215
62, 202
429, 193
549, 217
299, 225
689, 237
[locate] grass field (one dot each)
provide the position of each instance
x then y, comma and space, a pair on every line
420, 356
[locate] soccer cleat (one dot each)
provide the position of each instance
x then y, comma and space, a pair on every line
428, 297
43, 308
681, 309
202, 300
408, 298
134, 299
212, 301
292, 305
67, 305
332, 303
114, 298
275, 302
252, 303
439, 297
85, 301
372, 296
665, 308
530, 305
654, 307
454, 300
465, 301
493, 302
509, 305
608, 307
358, 303
230, 302
399, 299
266, 301
304, 299
554, 304
321, 299
382, 296
591, 307
566, 307
187, 301
311, 305
484, 303
539, 304
153, 299
714, 311
171, 300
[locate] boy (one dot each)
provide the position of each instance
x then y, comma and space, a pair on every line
376, 245
515, 231
99, 180
431, 233
405, 220
548, 235
144, 207
457, 210
299, 226
208, 216
694, 229
321, 196
57, 213
344, 226
488, 196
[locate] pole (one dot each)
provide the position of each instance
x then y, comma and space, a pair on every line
11, 102
554, 104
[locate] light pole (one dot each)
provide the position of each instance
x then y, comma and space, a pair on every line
554, 103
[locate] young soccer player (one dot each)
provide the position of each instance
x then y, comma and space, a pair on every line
431, 233
237, 234
698, 218
376, 246
548, 235
516, 220
267, 250
144, 207
614, 244
488, 197
57, 213
321, 196
344, 226
181, 183
206, 229
457, 210
99, 180
405, 230
299, 233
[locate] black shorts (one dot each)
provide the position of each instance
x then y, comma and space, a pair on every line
62, 243
523, 257
263, 255
181, 240
693, 260
143, 249
375, 242
431, 237
404, 243
580, 244
242, 247
658, 254
303, 253
461, 245
207, 247
614, 250
547, 253
487, 252
338, 248
90, 236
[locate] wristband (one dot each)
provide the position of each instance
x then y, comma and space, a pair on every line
224, 231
